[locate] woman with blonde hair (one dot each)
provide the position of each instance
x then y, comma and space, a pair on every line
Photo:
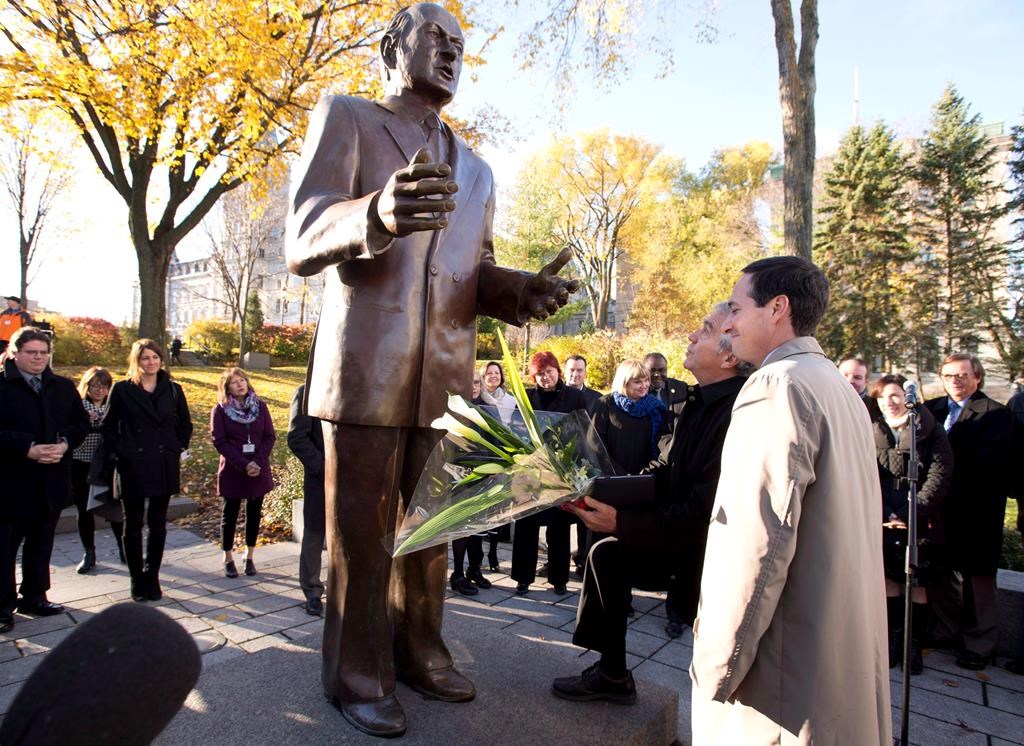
147, 427
629, 419
94, 388
244, 436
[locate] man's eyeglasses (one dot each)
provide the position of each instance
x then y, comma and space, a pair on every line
956, 376
34, 353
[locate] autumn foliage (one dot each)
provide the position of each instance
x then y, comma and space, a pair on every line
82, 340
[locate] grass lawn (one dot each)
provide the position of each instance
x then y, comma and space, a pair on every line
199, 472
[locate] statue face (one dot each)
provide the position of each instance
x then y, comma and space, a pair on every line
429, 56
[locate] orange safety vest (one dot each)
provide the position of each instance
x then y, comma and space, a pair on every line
10, 322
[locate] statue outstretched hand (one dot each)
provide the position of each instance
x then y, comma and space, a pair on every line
546, 292
415, 197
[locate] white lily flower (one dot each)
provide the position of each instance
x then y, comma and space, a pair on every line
459, 406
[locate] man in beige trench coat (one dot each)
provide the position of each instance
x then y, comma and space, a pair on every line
790, 636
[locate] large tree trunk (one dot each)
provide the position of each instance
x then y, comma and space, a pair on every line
25, 256
153, 265
796, 89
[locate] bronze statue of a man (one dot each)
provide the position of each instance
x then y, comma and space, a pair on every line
397, 211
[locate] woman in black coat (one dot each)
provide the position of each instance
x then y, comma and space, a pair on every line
550, 395
147, 427
629, 420
935, 475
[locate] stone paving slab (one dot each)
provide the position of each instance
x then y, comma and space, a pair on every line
264, 624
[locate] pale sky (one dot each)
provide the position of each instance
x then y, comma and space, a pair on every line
720, 94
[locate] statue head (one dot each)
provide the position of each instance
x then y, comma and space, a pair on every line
421, 55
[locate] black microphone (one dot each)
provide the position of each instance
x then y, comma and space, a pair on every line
119, 678
910, 389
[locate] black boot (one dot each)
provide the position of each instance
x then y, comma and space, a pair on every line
118, 529
140, 588
153, 591
894, 616
918, 627
88, 562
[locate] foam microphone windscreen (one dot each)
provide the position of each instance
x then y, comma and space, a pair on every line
119, 678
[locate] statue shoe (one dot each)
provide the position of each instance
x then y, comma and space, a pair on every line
444, 684
382, 717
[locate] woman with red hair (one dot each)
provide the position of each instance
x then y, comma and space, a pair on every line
550, 395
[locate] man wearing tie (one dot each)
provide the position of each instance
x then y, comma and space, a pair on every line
408, 268
984, 438
42, 421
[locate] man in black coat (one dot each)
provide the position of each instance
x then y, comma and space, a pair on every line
984, 437
42, 421
662, 547
306, 441
576, 377
671, 391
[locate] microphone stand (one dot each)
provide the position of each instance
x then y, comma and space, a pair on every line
910, 563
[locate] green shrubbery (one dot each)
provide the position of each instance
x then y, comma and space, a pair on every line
604, 351
285, 342
216, 340
81, 340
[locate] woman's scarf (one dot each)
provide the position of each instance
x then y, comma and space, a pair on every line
649, 406
244, 413
897, 424
500, 400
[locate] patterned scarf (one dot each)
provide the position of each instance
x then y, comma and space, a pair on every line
648, 406
244, 413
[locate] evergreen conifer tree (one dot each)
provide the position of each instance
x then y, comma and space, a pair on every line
960, 203
864, 246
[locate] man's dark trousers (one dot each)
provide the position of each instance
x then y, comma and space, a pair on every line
35, 558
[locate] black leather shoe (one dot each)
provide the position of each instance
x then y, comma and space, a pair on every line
230, 571
479, 580
522, 589
88, 562
463, 586
972, 661
6, 623
560, 589
674, 630
40, 608
593, 684
314, 606
442, 684
250, 567
382, 717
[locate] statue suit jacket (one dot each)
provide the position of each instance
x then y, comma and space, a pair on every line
397, 329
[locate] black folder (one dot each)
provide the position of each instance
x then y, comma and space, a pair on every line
626, 493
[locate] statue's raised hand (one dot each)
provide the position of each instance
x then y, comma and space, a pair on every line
409, 201
546, 292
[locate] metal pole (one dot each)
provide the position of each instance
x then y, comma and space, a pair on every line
910, 562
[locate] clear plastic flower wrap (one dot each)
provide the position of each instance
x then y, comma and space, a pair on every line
483, 473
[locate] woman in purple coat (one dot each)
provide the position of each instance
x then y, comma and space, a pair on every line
243, 434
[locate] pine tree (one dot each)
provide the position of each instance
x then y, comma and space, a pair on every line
959, 206
863, 244
252, 322
1007, 327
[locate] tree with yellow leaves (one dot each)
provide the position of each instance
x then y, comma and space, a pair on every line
181, 101
591, 186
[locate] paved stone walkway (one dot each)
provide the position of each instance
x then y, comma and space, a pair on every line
249, 614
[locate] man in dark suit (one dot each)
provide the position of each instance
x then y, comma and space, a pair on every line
42, 421
984, 437
671, 391
576, 376
408, 267
662, 547
306, 441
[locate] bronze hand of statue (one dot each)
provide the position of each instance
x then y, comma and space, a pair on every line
407, 203
546, 292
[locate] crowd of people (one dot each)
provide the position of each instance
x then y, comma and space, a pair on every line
104, 443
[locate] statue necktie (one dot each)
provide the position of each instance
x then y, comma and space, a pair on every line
436, 139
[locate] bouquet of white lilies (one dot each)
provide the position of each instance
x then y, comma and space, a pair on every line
484, 473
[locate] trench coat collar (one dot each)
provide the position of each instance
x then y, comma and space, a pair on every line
795, 346
404, 127
141, 397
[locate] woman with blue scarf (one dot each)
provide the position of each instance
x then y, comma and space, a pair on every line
629, 420
243, 434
